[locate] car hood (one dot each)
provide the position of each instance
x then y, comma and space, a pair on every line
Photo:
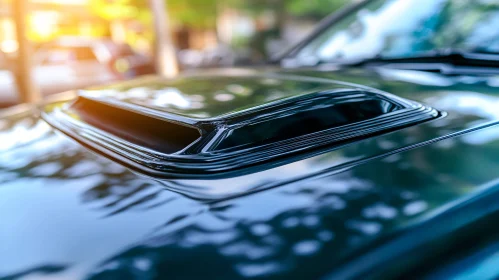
69, 213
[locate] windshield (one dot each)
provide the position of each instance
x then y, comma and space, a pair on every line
399, 28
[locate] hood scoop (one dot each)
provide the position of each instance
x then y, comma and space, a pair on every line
167, 142
142, 130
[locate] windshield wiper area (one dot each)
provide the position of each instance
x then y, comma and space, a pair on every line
451, 62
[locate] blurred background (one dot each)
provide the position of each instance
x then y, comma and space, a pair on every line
67, 44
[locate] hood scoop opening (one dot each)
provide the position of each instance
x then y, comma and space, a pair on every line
322, 113
166, 143
142, 130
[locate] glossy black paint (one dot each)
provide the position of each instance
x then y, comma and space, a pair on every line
67, 212
272, 125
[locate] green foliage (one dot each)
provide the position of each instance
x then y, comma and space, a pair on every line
203, 13
303, 8
193, 13
314, 8
240, 42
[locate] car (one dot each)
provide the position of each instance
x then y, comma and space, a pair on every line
368, 151
71, 63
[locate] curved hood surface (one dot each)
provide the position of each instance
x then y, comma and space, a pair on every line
69, 213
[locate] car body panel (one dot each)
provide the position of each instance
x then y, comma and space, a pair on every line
214, 94
67, 212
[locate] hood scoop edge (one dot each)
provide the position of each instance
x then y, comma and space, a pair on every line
165, 145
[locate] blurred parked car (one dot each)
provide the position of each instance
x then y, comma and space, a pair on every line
71, 63
221, 56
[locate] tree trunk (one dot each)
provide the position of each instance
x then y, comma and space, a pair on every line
166, 62
27, 90
281, 17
